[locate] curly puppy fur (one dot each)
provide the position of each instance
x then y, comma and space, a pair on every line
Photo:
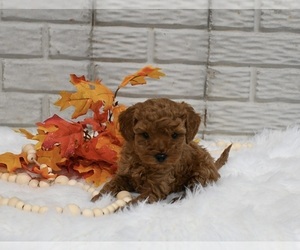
159, 156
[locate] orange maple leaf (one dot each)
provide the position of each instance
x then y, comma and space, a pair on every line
97, 173
87, 93
11, 161
43, 172
139, 77
50, 157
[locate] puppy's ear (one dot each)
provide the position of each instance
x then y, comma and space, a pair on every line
192, 122
126, 123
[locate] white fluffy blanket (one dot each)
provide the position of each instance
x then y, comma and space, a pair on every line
256, 199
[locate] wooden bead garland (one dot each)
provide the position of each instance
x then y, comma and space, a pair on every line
123, 197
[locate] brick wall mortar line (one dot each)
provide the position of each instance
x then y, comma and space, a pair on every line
150, 49
45, 107
45, 41
1, 75
209, 28
253, 83
257, 15
91, 66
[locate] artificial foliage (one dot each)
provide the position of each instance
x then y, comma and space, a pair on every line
87, 148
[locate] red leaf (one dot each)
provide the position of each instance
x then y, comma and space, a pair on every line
68, 135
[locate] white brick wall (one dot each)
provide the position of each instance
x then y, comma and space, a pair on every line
239, 67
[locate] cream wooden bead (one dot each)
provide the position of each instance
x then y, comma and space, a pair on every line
12, 178
120, 203
23, 178
12, 202
86, 187
27, 208
105, 211
43, 210
72, 209
27, 147
31, 151
95, 193
115, 206
72, 182
127, 199
88, 212
33, 183
236, 146
43, 184
59, 210
43, 165
61, 179
91, 190
51, 178
20, 205
5, 176
4, 201
221, 143
123, 194
31, 158
79, 184
111, 209
35, 208
98, 212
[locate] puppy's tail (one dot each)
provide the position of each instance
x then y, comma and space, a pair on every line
223, 158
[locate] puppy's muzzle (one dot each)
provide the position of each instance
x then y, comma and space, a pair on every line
161, 157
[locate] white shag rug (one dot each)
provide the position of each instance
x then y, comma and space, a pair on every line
256, 199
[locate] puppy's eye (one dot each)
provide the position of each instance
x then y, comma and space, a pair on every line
174, 135
145, 135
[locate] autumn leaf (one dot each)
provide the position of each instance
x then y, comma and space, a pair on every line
11, 161
87, 93
65, 101
117, 110
51, 158
68, 135
43, 172
99, 118
25, 132
99, 149
95, 173
139, 77
113, 126
76, 79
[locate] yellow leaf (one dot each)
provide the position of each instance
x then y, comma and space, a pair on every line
25, 132
64, 103
87, 93
94, 173
50, 157
11, 161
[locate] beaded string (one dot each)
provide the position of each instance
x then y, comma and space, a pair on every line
123, 197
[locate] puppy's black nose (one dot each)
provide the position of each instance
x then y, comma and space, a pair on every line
161, 157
